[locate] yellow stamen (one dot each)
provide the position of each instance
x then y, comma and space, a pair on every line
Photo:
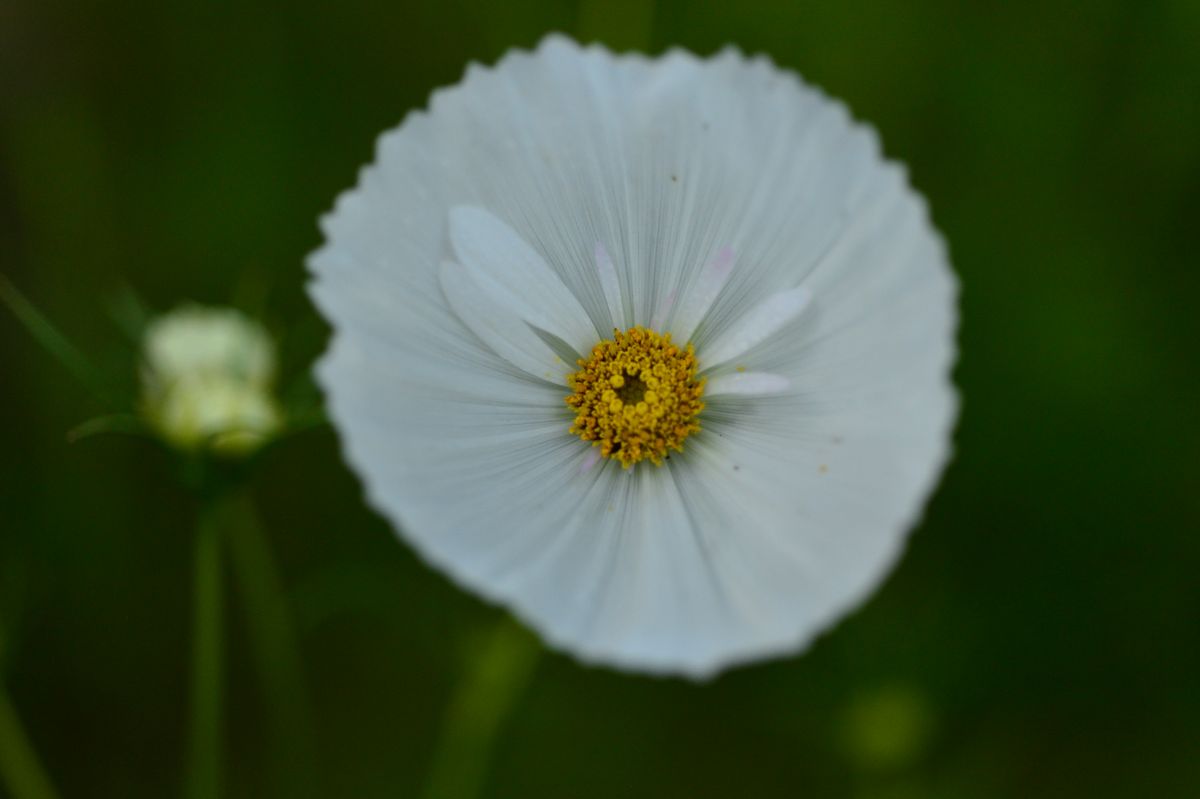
637, 396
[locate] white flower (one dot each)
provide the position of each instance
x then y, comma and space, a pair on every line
207, 377
569, 197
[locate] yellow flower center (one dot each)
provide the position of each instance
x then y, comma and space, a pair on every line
637, 396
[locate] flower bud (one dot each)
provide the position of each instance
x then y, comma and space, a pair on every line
207, 379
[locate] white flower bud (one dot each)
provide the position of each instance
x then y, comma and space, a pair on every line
215, 341
207, 380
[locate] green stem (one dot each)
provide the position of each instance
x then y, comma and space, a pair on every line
487, 692
19, 765
204, 767
277, 654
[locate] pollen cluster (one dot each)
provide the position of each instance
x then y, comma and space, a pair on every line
637, 396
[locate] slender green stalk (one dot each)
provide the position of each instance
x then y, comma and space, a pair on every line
54, 342
123, 423
493, 681
204, 766
19, 766
620, 24
277, 654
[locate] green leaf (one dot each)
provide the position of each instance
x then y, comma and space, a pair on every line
54, 342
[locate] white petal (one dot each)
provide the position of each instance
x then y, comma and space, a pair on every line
746, 384
611, 285
662, 604
762, 322
703, 294
502, 331
514, 275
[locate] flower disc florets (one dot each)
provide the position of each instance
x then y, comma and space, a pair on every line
637, 396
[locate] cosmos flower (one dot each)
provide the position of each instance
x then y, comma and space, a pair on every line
207, 376
654, 352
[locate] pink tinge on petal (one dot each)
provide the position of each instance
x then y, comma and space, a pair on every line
589, 460
724, 260
604, 264
660, 315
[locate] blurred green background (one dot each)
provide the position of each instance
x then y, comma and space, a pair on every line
1040, 639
